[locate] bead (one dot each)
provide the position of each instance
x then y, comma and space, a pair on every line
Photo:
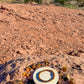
33, 66
24, 74
28, 69
64, 69
38, 65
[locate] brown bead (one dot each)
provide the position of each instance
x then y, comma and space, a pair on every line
64, 68
28, 69
38, 65
33, 66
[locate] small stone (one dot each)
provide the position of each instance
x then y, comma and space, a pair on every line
78, 67
18, 52
73, 67
28, 59
76, 53
70, 53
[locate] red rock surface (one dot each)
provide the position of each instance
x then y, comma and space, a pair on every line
41, 31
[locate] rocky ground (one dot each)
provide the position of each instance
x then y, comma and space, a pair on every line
30, 32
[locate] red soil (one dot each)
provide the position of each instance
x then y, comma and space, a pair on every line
40, 30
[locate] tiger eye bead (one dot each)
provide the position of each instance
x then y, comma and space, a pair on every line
28, 69
38, 65
33, 66
64, 69
24, 74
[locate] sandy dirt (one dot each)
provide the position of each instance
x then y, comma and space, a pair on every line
36, 32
